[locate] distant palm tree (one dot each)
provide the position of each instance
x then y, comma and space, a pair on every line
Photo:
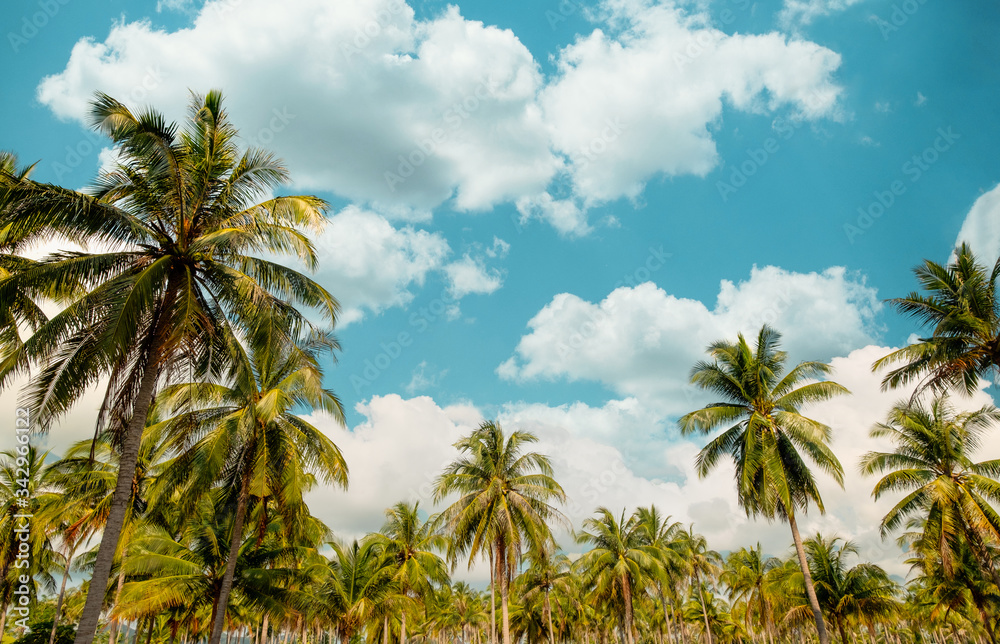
410, 547
178, 287
619, 565
765, 432
358, 587
747, 575
504, 503
664, 537
863, 592
548, 570
932, 464
960, 303
701, 562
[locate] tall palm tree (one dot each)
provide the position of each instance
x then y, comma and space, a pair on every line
663, 536
747, 574
863, 592
247, 436
932, 464
547, 571
177, 288
504, 503
960, 303
765, 433
620, 564
358, 587
411, 546
701, 563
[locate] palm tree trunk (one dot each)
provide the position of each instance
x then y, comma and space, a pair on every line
219, 617
3, 618
122, 495
704, 607
627, 587
62, 593
115, 623
493, 602
504, 591
824, 638
402, 627
548, 611
666, 617
843, 633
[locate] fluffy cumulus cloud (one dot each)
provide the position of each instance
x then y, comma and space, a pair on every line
363, 99
626, 107
641, 341
359, 97
981, 228
372, 264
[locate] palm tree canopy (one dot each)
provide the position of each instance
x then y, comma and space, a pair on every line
766, 431
959, 302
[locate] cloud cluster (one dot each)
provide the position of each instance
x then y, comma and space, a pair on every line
396, 113
981, 228
642, 341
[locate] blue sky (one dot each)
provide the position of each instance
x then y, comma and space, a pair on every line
613, 185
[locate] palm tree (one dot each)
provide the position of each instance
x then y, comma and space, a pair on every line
960, 303
663, 536
619, 565
747, 575
765, 433
358, 587
932, 464
700, 561
547, 571
178, 286
863, 592
246, 435
504, 503
410, 546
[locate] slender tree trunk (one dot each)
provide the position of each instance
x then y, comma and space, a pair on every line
504, 592
3, 618
493, 601
219, 617
59, 600
843, 633
704, 607
548, 614
116, 623
824, 637
119, 504
402, 627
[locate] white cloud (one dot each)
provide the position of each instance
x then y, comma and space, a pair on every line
424, 377
368, 264
796, 13
641, 341
346, 92
470, 275
626, 108
403, 115
981, 228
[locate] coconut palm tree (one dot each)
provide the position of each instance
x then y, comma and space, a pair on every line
246, 435
504, 503
358, 587
620, 564
547, 571
862, 593
747, 575
932, 464
702, 563
959, 301
663, 536
410, 546
766, 432
178, 286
